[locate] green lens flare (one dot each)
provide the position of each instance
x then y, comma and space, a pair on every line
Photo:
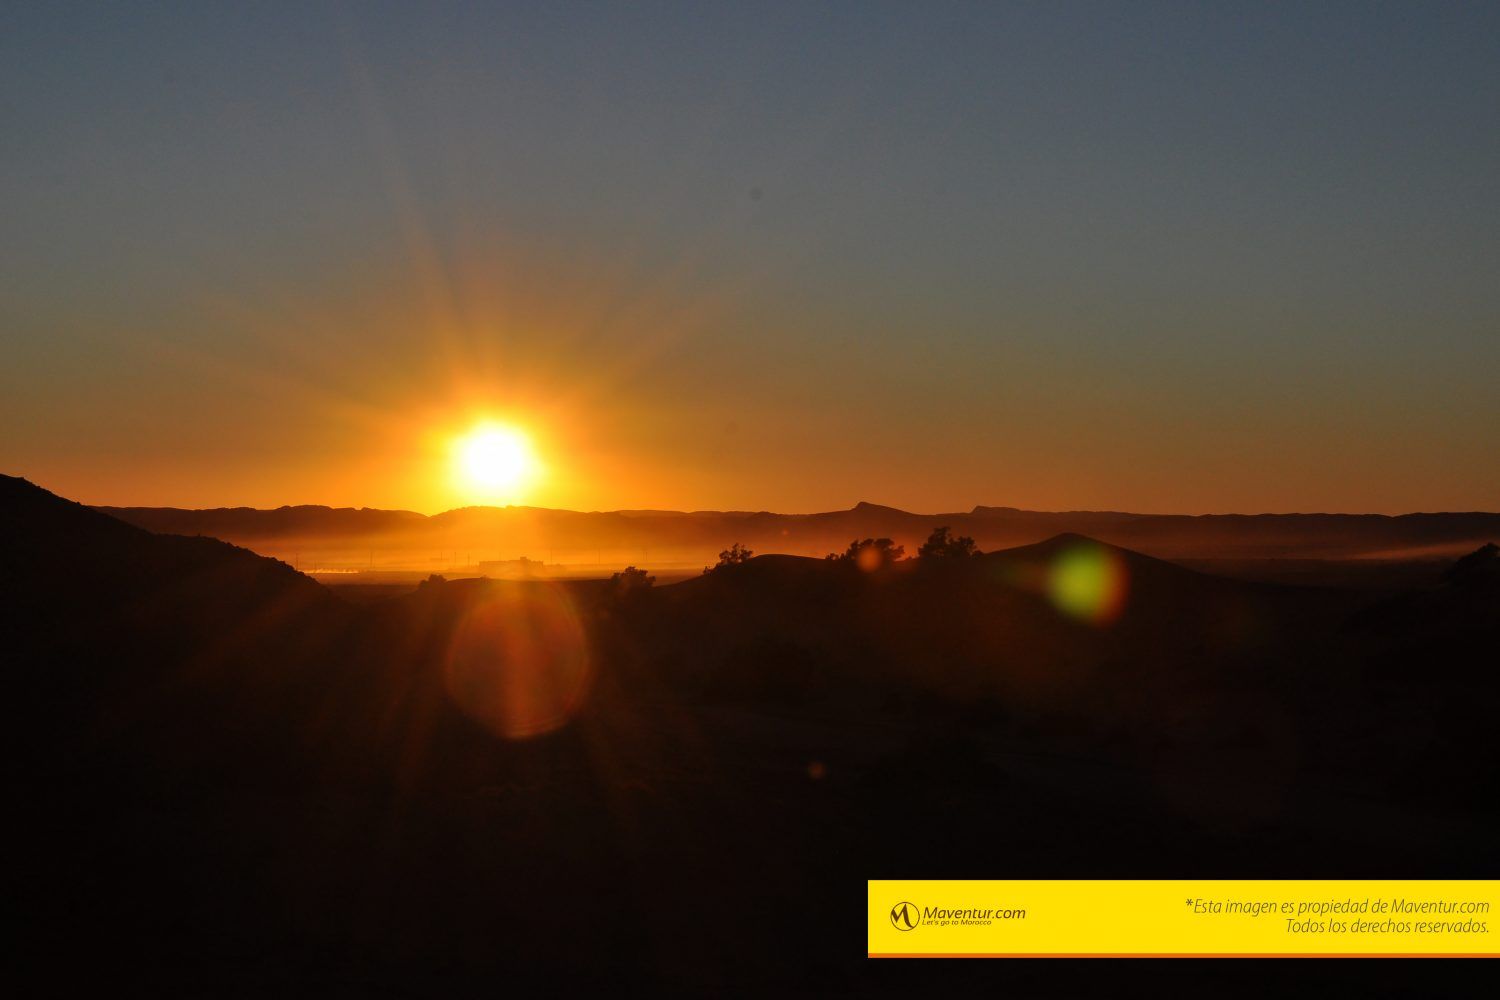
1088, 583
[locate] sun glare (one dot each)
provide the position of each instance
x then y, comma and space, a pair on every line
495, 462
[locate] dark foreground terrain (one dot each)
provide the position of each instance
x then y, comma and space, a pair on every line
228, 780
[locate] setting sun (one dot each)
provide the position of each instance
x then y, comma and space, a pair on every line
495, 461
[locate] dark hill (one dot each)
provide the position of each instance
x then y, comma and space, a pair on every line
55, 551
130, 640
76, 578
213, 752
1130, 638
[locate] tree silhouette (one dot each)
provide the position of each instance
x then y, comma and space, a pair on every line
870, 554
942, 545
735, 555
1480, 567
631, 580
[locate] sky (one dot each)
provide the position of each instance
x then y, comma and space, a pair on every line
1186, 257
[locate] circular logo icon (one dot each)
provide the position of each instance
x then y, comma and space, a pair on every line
905, 916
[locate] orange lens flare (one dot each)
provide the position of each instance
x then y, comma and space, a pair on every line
519, 661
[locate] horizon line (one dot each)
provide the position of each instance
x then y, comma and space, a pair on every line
977, 510
747, 512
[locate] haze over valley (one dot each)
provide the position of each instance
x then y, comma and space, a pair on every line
378, 545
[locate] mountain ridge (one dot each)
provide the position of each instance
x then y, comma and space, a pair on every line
690, 535
863, 506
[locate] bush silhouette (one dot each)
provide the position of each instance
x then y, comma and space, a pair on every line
870, 554
735, 555
631, 580
1480, 567
942, 545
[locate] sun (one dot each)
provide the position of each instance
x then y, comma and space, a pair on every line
495, 461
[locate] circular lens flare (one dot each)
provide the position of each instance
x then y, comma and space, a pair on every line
1088, 582
518, 661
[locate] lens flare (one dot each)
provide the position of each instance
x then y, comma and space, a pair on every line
519, 662
1088, 582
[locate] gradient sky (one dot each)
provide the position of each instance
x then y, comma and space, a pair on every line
1162, 257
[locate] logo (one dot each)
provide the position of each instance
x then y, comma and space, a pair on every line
905, 916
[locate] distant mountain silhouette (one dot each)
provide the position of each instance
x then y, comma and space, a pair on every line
249, 523
695, 534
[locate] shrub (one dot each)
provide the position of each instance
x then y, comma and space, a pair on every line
943, 545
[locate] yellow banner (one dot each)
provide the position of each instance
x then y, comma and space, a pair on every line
1183, 917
